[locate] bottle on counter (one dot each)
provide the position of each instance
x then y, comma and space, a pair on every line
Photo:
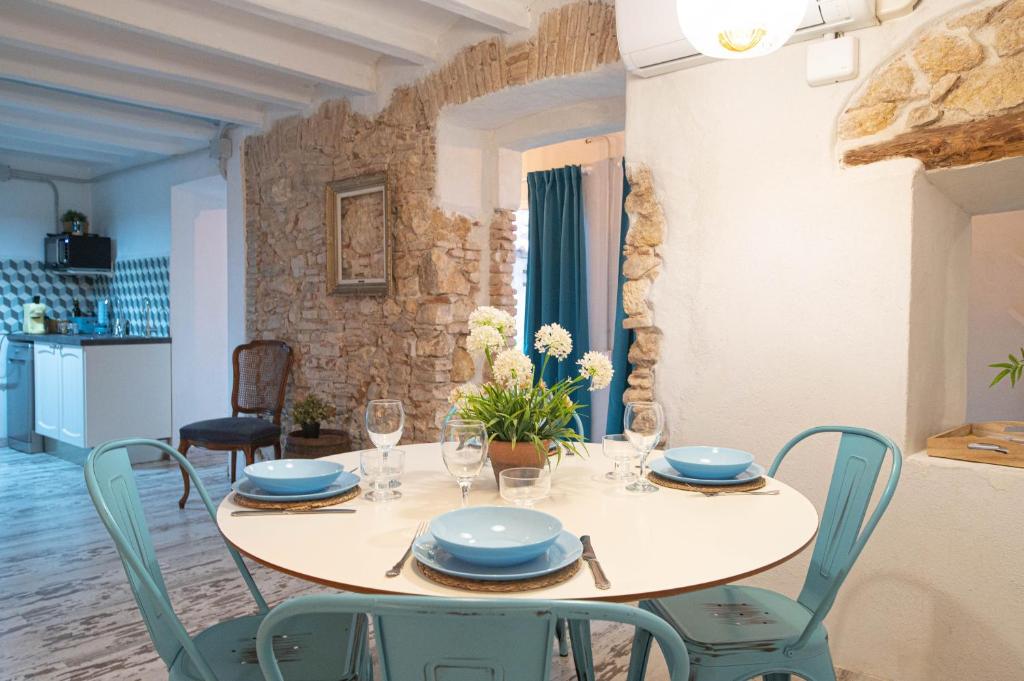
76, 310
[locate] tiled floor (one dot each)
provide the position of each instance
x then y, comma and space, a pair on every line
66, 613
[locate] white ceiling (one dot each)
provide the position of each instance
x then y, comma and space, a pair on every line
101, 85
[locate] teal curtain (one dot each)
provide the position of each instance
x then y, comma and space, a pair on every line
623, 337
556, 272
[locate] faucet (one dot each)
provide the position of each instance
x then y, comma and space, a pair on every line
149, 318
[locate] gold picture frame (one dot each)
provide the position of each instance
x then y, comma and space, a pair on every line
359, 245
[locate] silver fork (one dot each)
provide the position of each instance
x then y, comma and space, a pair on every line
396, 569
762, 492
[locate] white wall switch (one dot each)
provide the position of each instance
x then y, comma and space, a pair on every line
832, 60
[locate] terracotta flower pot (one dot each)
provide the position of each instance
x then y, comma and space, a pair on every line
506, 455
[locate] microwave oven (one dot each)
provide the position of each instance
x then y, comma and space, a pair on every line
79, 254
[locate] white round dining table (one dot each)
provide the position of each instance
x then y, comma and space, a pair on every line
650, 545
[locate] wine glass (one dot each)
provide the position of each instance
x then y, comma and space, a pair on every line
524, 486
464, 450
384, 422
619, 449
643, 423
381, 470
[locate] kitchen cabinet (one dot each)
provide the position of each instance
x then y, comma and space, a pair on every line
46, 357
72, 396
87, 395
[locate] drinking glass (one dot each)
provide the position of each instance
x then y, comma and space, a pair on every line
643, 423
619, 449
379, 470
384, 422
524, 486
464, 450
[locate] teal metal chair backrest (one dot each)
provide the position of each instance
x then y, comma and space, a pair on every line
449, 639
111, 484
842, 532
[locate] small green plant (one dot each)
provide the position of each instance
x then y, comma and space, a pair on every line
312, 410
1012, 368
74, 216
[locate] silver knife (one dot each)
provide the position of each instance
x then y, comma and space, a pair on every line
600, 580
988, 446
314, 511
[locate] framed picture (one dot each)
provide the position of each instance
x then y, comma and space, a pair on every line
358, 235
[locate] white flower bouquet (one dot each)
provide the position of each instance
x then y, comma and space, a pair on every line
514, 406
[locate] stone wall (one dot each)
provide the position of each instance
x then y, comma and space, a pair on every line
641, 267
410, 345
503, 259
954, 95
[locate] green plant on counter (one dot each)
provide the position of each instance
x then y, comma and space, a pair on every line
1013, 368
74, 216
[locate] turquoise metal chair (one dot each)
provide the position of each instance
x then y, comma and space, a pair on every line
736, 633
225, 651
561, 631
449, 639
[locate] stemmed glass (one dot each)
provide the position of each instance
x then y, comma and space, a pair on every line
464, 450
643, 423
385, 420
619, 449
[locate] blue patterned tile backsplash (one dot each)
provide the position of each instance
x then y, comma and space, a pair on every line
133, 282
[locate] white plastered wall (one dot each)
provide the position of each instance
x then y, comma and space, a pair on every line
797, 293
996, 313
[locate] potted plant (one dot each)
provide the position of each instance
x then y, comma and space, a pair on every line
527, 421
75, 222
309, 412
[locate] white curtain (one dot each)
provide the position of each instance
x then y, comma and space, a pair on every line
602, 214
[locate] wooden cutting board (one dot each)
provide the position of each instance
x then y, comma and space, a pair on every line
955, 443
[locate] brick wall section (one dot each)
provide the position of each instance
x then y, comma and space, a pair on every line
953, 95
409, 345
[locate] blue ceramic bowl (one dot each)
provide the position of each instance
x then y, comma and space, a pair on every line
293, 476
495, 536
709, 463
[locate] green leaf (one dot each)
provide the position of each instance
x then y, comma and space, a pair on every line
1000, 376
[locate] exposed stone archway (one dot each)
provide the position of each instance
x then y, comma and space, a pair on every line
953, 95
411, 344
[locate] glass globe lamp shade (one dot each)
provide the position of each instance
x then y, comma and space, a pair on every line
739, 29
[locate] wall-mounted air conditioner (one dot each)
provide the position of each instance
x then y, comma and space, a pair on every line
651, 41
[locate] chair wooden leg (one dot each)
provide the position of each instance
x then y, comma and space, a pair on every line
250, 455
183, 448
234, 459
277, 450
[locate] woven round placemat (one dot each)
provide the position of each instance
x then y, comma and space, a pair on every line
296, 505
756, 483
541, 582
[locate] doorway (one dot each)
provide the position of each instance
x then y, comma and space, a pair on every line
200, 351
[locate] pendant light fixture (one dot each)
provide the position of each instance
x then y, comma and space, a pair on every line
739, 29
